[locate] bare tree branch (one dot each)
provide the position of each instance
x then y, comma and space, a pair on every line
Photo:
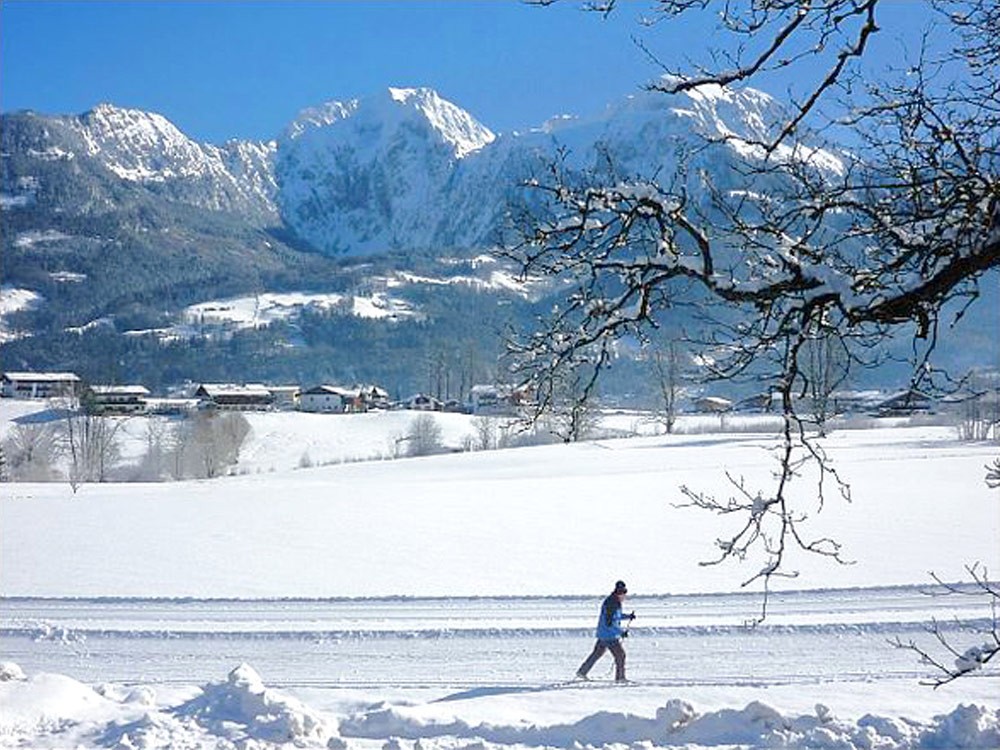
956, 663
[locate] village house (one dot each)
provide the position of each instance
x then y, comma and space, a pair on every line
856, 401
39, 384
286, 397
759, 403
374, 397
118, 399
486, 399
905, 404
330, 399
228, 397
495, 399
171, 407
713, 405
422, 402
333, 399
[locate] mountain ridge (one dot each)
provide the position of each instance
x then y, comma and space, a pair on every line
404, 168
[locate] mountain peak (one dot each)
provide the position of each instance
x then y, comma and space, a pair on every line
456, 126
405, 95
110, 122
384, 111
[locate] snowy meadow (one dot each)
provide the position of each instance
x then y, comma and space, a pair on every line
446, 601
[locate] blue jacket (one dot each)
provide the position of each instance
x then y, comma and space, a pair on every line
609, 622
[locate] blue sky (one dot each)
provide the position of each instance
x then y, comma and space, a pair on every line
223, 70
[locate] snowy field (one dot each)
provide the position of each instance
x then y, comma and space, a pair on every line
444, 602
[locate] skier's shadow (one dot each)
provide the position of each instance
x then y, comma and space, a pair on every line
486, 692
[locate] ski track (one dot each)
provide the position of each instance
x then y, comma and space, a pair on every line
438, 643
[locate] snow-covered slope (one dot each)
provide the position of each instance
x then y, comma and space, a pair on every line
518, 522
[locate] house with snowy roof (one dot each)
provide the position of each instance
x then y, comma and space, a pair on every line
39, 384
330, 399
496, 399
422, 402
229, 397
117, 399
374, 397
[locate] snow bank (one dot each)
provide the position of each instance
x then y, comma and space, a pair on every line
678, 725
48, 711
10, 671
45, 704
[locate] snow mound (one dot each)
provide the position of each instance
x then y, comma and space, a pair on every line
240, 712
678, 725
44, 703
10, 671
242, 708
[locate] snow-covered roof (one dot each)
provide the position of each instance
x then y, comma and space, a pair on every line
331, 390
215, 390
42, 377
119, 390
715, 401
488, 389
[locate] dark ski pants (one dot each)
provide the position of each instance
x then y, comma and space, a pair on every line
615, 647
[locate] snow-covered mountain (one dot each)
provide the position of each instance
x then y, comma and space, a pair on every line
109, 149
368, 175
402, 169
406, 169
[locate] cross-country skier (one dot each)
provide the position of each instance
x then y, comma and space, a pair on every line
610, 633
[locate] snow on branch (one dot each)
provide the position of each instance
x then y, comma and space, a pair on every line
952, 662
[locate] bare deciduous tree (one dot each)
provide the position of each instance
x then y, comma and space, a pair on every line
92, 444
570, 414
211, 441
32, 451
424, 436
993, 475
890, 237
160, 445
668, 367
485, 437
825, 367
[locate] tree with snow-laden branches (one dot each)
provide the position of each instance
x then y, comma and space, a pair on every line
794, 243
